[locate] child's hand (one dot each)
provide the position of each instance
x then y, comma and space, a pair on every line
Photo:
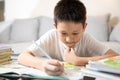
70, 56
53, 67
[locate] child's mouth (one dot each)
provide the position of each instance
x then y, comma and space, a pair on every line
70, 46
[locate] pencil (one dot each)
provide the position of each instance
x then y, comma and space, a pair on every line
45, 53
42, 51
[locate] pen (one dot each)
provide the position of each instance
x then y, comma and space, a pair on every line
45, 53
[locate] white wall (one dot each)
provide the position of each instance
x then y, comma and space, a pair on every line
33, 8
28, 8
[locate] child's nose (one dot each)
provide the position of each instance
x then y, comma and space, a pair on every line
69, 39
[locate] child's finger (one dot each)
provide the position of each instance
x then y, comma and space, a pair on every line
54, 65
55, 70
67, 50
51, 68
54, 62
72, 50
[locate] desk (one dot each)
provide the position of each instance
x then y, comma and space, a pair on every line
71, 73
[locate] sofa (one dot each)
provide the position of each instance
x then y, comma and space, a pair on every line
20, 33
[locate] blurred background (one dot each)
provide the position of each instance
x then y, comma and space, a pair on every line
12, 9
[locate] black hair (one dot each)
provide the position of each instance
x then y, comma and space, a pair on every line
70, 10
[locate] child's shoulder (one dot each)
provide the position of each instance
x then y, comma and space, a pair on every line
49, 35
52, 31
86, 34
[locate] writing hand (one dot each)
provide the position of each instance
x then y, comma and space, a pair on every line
53, 67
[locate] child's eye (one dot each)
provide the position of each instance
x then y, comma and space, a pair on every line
64, 34
75, 33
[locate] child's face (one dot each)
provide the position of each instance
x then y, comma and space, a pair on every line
69, 32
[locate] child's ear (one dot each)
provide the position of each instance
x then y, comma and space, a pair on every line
85, 25
55, 25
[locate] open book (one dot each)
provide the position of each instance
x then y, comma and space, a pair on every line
111, 65
70, 73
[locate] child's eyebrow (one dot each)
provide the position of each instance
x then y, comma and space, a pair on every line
72, 32
63, 31
76, 31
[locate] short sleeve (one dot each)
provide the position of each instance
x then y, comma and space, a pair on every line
44, 42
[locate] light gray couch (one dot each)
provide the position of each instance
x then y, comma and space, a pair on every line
20, 33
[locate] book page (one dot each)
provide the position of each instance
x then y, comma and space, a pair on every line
70, 73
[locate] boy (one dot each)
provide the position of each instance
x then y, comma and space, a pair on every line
68, 42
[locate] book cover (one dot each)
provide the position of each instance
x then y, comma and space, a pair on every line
5, 55
5, 47
5, 60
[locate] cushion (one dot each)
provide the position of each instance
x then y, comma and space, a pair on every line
98, 26
46, 23
115, 34
5, 31
24, 30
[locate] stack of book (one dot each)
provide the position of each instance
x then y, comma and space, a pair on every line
5, 54
106, 69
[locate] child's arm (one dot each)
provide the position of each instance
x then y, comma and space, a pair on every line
50, 66
71, 57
